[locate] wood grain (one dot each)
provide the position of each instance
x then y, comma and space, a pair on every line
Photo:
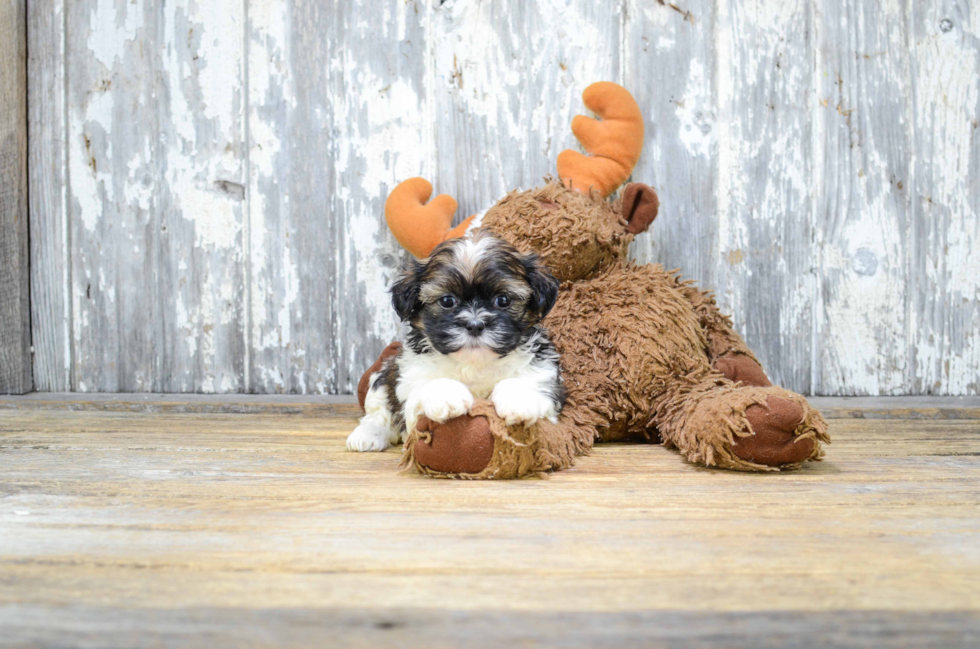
92, 626
479, 73
507, 80
51, 321
320, 405
565, 46
15, 315
152, 403
336, 118
264, 520
944, 308
208, 181
671, 69
156, 162
862, 188
765, 271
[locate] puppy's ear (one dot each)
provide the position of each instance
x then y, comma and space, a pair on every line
544, 286
405, 291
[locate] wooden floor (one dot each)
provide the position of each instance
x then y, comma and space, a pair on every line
149, 521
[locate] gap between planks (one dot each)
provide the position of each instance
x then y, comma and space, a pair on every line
346, 405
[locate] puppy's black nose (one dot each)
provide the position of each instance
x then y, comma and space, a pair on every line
475, 326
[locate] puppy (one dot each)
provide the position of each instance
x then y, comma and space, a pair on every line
473, 309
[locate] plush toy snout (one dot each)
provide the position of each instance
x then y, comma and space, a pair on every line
640, 207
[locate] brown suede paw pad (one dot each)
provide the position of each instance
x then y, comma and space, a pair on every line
774, 442
742, 369
460, 445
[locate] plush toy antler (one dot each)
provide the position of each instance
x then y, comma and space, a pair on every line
417, 226
614, 143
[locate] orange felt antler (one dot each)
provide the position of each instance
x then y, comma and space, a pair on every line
614, 143
417, 226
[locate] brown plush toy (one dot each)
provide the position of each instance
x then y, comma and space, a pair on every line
644, 354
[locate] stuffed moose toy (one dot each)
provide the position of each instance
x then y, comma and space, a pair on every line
645, 355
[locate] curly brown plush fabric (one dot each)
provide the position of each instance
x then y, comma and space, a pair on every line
645, 355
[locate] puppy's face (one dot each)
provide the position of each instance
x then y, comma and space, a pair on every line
478, 293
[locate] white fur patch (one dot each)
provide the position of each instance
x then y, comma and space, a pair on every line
440, 400
469, 255
376, 431
370, 435
476, 223
519, 401
478, 370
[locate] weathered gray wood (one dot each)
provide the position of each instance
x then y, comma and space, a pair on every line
508, 78
91, 626
140, 529
15, 316
950, 408
670, 68
242, 404
764, 265
337, 117
477, 104
945, 233
156, 163
565, 46
209, 180
861, 188
50, 244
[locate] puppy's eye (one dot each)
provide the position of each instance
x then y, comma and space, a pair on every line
447, 301
501, 301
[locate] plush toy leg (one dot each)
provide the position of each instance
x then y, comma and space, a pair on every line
480, 446
393, 349
717, 423
727, 351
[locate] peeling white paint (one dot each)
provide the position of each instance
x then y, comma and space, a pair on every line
290, 285
88, 168
801, 169
694, 113
947, 328
110, 25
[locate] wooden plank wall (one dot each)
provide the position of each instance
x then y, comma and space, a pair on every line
207, 179
15, 316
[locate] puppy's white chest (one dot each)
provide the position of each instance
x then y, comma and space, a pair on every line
481, 371
478, 370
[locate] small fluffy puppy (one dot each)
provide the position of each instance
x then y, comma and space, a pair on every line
473, 309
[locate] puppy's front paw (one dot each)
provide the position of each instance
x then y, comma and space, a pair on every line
519, 401
442, 399
368, 436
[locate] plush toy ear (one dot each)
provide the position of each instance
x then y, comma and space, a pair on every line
405, 291
640, 207
544, 286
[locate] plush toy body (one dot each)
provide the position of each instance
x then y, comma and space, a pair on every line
644, 354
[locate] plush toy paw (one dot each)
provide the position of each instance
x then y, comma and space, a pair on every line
461, 445
774, 442
519, 401
369, 436
742, 369
441, 400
